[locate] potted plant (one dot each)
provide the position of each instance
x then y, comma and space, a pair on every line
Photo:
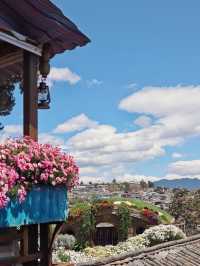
34, 179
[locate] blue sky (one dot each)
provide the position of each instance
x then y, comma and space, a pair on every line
127, 106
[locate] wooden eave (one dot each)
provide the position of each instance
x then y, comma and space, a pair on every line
20, 42
29, 26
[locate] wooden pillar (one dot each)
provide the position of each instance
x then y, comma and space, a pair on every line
30, 111
31, 129
44, 245
30, 95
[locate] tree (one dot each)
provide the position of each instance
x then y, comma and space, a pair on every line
126, 187
143, 184
182, 206
150, 184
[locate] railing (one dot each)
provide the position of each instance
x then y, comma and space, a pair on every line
105, 236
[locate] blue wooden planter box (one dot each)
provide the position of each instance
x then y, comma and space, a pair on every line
43, 204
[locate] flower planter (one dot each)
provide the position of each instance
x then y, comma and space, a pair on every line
43, 204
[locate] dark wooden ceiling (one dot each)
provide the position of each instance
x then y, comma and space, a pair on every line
41, 22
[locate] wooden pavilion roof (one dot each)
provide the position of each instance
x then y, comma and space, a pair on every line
33, 23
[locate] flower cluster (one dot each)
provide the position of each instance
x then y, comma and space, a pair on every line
163, 233
131, 244
152, 236
24, 163
74, 256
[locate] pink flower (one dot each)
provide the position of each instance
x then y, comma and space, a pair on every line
24, 162
21, 194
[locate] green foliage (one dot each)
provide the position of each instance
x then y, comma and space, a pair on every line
143, 184
79, 208
84, 213
150, 184
181, 205
124, 218
126, 187
80, 245
63, 257
7, 99
140, 204
185, 206
87, 224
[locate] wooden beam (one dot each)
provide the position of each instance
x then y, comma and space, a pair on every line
30, 111
20, 41
11, 59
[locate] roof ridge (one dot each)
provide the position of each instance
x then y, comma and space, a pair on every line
165, 245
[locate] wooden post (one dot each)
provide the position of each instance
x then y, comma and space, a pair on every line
31, 129
30, 95
30, 111
44, 245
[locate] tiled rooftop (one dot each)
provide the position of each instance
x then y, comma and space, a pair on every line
184, 252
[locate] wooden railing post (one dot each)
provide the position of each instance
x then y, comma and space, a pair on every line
44, 245
30, 111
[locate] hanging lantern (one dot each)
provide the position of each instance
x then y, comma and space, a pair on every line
43, 95
43, 89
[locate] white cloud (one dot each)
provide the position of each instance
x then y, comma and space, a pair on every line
163, 101
143, 121
175, 111
51, 139
3, 138
94, 179
177, 155
88, 170
103, 147
185, 168
104, 153
13, 129
131, 86
93, 83
136, 178
63, 74
76, 123
10, 131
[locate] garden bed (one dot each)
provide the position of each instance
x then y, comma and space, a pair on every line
151, 237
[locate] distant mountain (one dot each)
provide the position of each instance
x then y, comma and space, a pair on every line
187, 183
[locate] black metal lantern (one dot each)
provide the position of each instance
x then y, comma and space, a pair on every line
43, 95
43, 89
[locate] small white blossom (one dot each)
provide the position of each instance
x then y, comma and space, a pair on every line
152, 236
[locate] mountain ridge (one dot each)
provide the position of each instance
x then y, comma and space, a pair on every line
188, 183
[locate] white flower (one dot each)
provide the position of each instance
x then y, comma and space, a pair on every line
117, 203
151, 236
128, 203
